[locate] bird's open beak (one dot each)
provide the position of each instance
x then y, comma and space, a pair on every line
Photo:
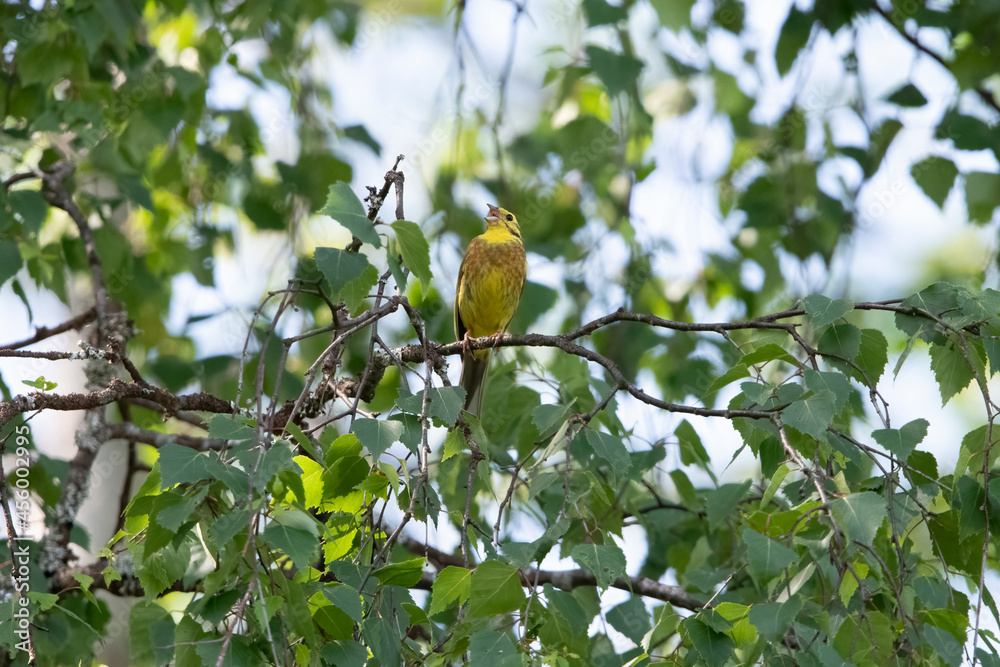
494, 213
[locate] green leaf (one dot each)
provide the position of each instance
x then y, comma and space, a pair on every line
873, 355
41, 383
773, 619
446, 403
982, 195
382, 634
30, 206
454, 444
405, 574
415, 250
536, 301
227, 526
346, 599
813, 414
180, 465
259, 205
340, 267
720, 503
294, 534
766, 558
715, 647
692, 451
619, 73
631, 618
837, 383
772, 487
359, 133
606, 561
951, 370
954, 621
684, 488
902, 441
547, 417
489, 648
566, 624
975, 445
880, 141
794, 35
730, 15
922, 468
674, 14
355, 292
495, 588
174, 509
239, 652
842, 340
611, 449
377, 435
768, 352
599, 12
151, 632
823, 311
736, 372
849, 583
275, 459
968, 133
451, 587
908, 96
979, 306
345, 654
10, 260
943, 643
860, 515
344, 206
935, 176
227, 427
970, 499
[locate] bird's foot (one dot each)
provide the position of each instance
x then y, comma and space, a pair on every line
466, 344
495, 338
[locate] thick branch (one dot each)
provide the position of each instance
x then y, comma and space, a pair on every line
57, 195
418, 353
413, 353
131, 432
17, 178
41, 333
567, 579
63, 581
115, 391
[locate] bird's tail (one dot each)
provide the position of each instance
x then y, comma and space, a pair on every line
474, 380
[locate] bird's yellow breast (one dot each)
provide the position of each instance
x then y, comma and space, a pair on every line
493, 275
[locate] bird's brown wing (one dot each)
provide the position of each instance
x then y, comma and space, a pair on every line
460, 327
473, 369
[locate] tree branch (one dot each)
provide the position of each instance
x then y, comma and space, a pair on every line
115, 391
41, 333
58, 195
566, 579
131, 432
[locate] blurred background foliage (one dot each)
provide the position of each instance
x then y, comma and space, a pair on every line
141, 98
696, 160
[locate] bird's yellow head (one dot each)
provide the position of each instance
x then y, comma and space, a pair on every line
502, 219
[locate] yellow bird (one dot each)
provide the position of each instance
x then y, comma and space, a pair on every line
490, 282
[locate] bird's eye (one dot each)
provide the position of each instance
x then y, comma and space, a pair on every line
510, 218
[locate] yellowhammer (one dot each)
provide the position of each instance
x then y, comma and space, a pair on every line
490, 282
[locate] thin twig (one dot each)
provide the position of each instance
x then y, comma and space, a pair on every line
41, 333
